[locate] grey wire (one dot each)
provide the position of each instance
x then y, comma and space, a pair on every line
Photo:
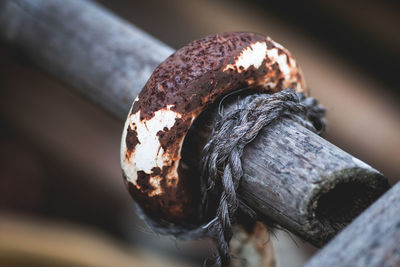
221, 158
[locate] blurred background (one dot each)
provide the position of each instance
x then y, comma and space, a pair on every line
62, 198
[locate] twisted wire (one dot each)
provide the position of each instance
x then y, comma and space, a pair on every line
221, 157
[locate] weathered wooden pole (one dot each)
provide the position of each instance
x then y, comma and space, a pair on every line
371, 240
291, 175
105, 58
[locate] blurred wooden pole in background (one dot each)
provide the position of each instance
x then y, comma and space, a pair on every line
28, 242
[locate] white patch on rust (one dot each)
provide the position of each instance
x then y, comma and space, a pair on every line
281, 60
292, 62
148, 153
252, 55
173, 171
287, 66
123, 138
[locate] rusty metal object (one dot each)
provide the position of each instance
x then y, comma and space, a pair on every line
292, 176
252, 248
179, 89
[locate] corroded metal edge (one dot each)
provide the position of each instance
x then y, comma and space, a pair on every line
179, 89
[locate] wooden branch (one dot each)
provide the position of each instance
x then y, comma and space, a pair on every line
372, 240
291, 176
99, 54
297, 179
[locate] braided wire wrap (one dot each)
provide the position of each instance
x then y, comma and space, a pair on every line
221, 157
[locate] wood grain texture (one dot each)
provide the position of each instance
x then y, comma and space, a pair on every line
105, 58
372, 240
292, 176
306, 184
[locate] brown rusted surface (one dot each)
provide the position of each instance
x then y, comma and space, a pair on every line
252, 247
131, 141
179, 89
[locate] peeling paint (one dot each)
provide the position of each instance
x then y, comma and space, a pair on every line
253, 55
148, 152
179, 89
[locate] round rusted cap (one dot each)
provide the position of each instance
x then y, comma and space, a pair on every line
179, 89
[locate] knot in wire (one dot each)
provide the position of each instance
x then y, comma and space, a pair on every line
221, 156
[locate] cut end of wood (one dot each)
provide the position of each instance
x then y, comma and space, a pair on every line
343, 196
